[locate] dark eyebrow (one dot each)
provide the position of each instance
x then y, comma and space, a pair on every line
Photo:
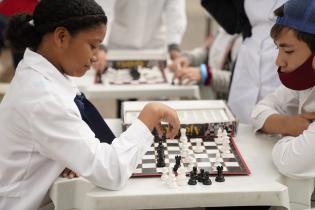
285, 45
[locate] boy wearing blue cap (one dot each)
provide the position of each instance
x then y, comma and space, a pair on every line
290, 110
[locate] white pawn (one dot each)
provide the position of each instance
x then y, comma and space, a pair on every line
217, 159
224, 133
164, 176
219, 132
198, 148
172, 181
181, 177
183, 137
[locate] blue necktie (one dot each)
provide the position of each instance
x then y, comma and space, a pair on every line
92, 117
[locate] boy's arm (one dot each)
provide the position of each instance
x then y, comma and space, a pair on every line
294, 156
285, 125
271, 114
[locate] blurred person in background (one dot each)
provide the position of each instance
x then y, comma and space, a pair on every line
7, 9
145, 24
255, 74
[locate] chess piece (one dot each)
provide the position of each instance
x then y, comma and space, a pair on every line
183, 136
164, 176
217, 159
200, 176
198, 148
195, 170
181, 177
192, 180
220, 176
161, 157
172, 181
206, 179
98, 78
177, 163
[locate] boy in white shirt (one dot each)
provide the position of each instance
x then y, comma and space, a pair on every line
289, 111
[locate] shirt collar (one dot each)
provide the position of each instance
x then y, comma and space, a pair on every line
48, 70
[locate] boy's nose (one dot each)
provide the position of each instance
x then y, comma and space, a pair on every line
280, 62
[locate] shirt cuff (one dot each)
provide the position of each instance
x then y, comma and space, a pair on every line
143, 135
259, 117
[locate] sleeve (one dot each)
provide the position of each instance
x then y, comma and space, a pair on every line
197, 56
220, 80
294, 156
282, 101
176, 20
61, 135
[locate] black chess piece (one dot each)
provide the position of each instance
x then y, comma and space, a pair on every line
192, 180
160, 157
200, 176
160, 144
195, 170
206, 179
177, 163
134, 73
98, 78
220, 176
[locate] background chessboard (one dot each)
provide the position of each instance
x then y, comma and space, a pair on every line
124, 77
233, 164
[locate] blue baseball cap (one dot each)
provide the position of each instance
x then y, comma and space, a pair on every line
299, 15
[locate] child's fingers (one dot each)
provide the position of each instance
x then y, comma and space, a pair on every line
159, 129
309, 115
65, 172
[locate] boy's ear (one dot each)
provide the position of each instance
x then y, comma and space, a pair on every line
61, 37
313, 62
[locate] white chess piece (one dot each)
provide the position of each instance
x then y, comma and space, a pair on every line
217, 159
198, 148
181, 177
172, 181
183, 137
164, 176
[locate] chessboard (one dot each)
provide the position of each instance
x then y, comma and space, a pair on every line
213, 152
135, 76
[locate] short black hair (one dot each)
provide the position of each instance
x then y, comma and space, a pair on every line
26, 30
308, 38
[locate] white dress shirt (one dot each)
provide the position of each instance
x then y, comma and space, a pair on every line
255, 73
144, 24
41, 133
293, 156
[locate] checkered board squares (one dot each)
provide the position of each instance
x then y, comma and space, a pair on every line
233, 163
147, 76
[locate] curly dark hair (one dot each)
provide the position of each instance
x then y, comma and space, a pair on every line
26, 30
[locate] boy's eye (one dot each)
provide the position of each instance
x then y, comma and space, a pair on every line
93, 46
289, 51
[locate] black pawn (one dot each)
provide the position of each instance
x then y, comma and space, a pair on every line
220, 176
201, 175
206, 179
195, 170
192, 180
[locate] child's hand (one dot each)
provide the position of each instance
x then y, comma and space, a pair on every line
178, 63
188, 74
67, 173
154, 113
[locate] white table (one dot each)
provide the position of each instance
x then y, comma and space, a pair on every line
150, 91
265, 186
